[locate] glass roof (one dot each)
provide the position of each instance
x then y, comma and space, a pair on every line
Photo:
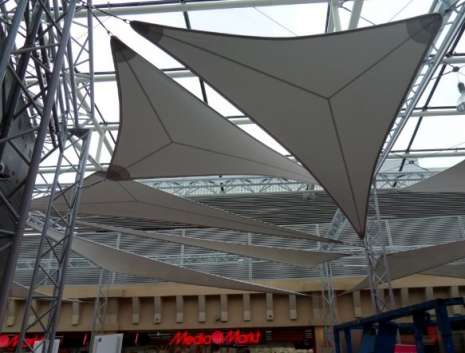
433, 132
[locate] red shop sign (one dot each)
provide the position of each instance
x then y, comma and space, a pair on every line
405, 348
12, 341
216, 337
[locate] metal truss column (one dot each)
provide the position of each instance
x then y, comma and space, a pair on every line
379, 277
329, 305
46, 321
100, 309
41, 108
328, 294
378, 267
86, 112
9, 43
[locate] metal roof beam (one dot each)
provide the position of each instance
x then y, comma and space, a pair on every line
141, 9
355, 15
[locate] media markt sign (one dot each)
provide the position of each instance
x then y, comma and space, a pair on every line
11, 342
231, 337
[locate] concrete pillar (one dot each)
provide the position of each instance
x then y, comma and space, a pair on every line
75, 312
246, 313
223, 307
292, 307
269, 315
179, 309
157, 310
135, 310
201, 309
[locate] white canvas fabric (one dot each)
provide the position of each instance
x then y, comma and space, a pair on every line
17, 290
104, 197
329, 99
165, 131
407, 263
449, 270
296, 257
449, 180
128, 263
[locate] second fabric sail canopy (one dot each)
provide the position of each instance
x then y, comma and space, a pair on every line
166, 131
407, 263
449, 180
104, 197
329, 99
120, 261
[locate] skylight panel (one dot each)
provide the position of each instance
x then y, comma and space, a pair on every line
102, 51
439, 162
446, 93
381, 11
220, 104
244, 21
261, 135
406, 134
192, 84
441, 132
106, 99
460, 48
304, 19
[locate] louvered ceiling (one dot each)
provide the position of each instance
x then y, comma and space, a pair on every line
315, 207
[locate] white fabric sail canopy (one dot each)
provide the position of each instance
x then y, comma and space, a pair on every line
449, 270
450, 180
104, 197
407, 263
128, 263
296, 257
166, 131
17, 290
329, 99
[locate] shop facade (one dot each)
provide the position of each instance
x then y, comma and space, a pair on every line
260, 340
150, 316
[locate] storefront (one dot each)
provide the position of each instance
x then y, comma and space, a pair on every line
265, 340
273, 340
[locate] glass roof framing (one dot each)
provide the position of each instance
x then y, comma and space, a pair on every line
429, 142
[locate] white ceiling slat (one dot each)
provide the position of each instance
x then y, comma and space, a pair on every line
296, 257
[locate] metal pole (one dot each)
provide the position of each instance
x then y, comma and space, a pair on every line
348, 337
356, 12
418, 327
445, 328
90, 37
337, 341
